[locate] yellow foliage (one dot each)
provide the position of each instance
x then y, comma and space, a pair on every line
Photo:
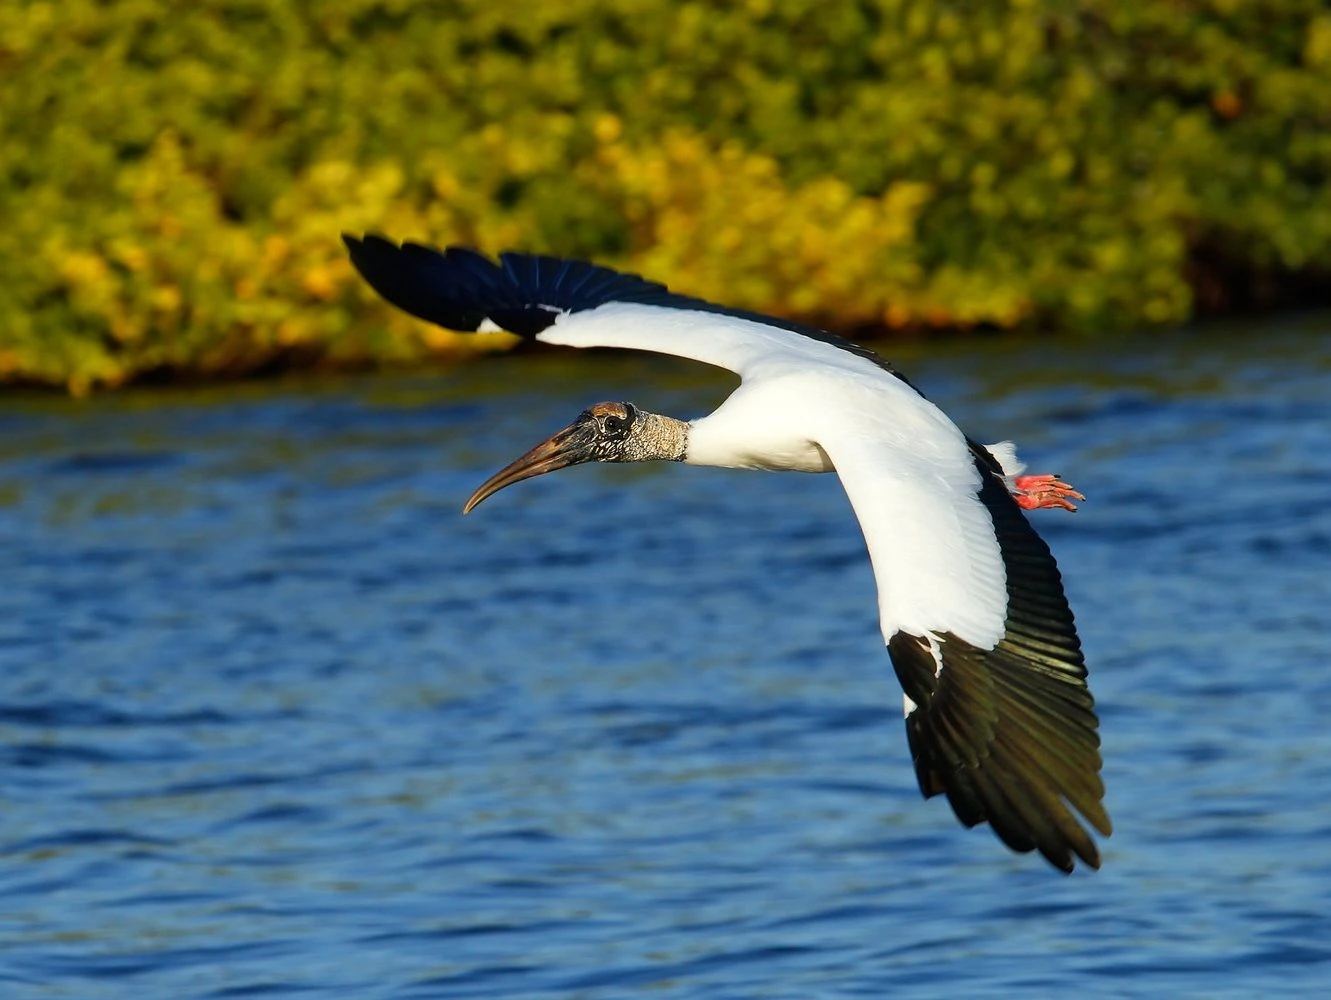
173, 187
722, 223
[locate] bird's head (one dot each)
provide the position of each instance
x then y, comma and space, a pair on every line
604, 432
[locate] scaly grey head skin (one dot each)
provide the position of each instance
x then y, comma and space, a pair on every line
604, 432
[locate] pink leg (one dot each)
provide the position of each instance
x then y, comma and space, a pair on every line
1034, 492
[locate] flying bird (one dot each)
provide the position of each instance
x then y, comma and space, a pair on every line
998, 714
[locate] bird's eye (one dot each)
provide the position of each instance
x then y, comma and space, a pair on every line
614, 425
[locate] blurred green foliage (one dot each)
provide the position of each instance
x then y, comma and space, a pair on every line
173, 178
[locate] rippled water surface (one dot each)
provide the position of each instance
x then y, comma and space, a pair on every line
276, 720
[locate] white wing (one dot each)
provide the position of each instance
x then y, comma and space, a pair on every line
1006, 730
750, 348
935, 557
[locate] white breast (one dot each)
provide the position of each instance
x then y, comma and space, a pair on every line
908, 472
763, 425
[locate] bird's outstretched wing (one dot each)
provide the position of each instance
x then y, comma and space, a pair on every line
1003, 725
578, 304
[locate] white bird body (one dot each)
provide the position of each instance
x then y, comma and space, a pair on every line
771, 426
970, 601
908, 474
749, 348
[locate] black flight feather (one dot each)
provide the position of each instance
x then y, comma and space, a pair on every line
1009, 735
460, 289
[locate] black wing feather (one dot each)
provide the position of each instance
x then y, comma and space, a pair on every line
459, 288
1010, 735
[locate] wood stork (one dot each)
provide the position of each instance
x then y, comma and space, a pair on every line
998, 714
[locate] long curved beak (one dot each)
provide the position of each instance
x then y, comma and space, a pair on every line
570, 446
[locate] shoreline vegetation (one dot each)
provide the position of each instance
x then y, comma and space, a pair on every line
174, 187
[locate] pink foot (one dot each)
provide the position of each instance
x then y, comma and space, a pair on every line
1034, 492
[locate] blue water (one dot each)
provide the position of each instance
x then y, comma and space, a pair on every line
275, 720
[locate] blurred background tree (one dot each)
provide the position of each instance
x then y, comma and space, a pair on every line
173, 179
